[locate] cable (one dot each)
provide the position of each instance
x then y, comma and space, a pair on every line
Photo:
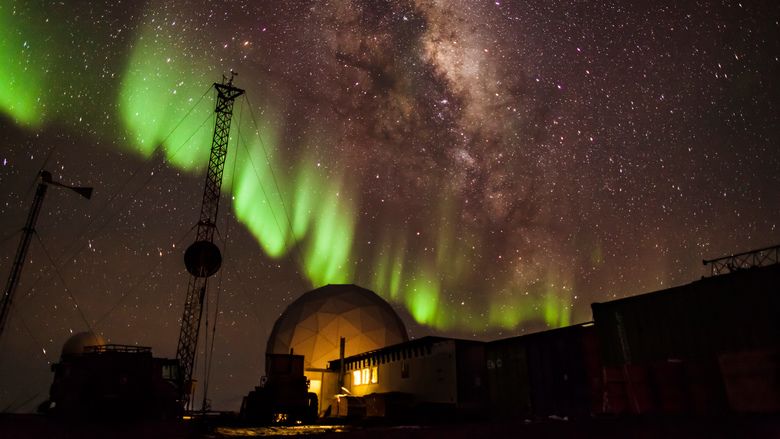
32, 336
138, 282
64, 284
93, 220
43, 166
241, 288
291, 235
265, 194
205, 351
108, 219
135, 172
7, 237
241, 283
210, 353
121, 187
273, 174
14, 405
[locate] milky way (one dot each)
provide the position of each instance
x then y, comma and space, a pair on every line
488, 167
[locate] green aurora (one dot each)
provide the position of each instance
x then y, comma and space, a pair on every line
305, 210
20, 77
155, 96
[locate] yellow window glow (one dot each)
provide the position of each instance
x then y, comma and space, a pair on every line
315, 386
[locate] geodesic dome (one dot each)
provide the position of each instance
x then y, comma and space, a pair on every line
314, 323
76, 344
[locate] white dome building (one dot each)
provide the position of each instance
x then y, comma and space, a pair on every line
313, 325
77, 342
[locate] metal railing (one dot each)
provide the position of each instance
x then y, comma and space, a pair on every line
743, 261
100, 349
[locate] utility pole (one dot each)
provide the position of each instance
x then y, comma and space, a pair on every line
203, 257
24, 243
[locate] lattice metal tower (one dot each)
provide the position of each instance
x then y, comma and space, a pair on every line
742, 261
24, 244
203, 258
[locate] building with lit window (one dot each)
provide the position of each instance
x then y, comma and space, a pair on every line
428, 374
655, 353
314, 324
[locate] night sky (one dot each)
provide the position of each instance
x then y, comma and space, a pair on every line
488, 167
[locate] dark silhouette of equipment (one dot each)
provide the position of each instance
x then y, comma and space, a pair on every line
114, 382
283, 395
203, 257
24, 243
743, 261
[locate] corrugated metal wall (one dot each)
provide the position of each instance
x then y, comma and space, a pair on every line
549, 373
559, 373
507, 375
664, 351
728, 313
470, 372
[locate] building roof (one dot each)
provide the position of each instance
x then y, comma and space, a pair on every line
416, 347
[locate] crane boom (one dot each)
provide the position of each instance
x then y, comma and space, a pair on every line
203, 258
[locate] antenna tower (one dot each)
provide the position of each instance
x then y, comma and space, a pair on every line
24, 244
203, 257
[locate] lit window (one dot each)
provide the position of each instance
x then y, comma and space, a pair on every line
315, 386
365, 376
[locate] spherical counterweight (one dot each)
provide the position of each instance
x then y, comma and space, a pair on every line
202, 258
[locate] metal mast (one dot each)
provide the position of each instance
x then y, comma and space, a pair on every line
24, 243
203, 258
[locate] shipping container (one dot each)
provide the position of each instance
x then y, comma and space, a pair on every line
661, 349
471, 377
727, 313
752, 380
507, 374
550, 373
706, 388
670, 387
627, 391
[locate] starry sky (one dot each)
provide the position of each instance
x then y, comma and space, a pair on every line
489, 167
